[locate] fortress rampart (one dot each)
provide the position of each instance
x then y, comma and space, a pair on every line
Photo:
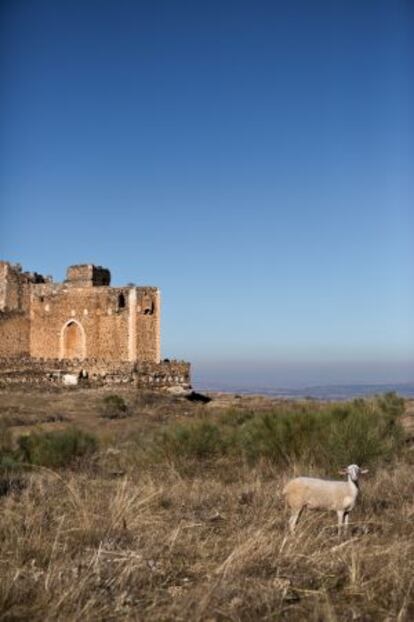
93, 372
82, 327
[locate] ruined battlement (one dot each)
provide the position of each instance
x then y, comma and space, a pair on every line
87, 275
81, 319
15, 286
93, 373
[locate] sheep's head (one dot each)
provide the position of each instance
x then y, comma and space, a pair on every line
354, 471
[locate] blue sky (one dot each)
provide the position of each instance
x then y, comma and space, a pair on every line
254, 159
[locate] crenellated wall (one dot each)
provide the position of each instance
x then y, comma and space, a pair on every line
16, 287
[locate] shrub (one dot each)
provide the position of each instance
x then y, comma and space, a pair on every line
114, 407
8, 462
362, 432
5, 438
56, 449
235, 417
391, 404
365, 432
199, 439
281, 436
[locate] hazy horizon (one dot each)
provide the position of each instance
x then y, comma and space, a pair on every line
299, 375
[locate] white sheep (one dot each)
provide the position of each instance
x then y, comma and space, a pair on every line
316, 493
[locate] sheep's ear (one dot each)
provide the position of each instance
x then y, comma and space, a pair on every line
342, 471
363, 471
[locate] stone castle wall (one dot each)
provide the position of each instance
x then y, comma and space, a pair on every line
93, 372
147, 319
81, 318
15, 287
102, 327
116, 324
81, 329
87, 275
14, 334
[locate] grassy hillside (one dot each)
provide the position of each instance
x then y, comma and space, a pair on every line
164, 509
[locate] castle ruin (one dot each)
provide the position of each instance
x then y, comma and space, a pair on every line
81, 328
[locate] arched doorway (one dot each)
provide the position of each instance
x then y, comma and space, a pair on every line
73, 341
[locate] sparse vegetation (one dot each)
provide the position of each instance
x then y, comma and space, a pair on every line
56, 449
362, 431
201, 439
114, 407
7, 454
125, 539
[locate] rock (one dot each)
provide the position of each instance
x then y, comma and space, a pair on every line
178, 390
193, 396
70, 380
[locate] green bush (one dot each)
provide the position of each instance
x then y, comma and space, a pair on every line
114, 407
7, 454
235, 417
281, 436
198, 439
358, 432
327, 436
56, 449
5, 438
366, 431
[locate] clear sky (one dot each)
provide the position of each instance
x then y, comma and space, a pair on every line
254, 159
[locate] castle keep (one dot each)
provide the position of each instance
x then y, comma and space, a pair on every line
82, 326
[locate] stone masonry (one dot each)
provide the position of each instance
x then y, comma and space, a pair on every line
82, 323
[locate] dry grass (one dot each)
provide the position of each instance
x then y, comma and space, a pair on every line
155, 544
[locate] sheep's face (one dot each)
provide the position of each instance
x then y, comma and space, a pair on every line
354, 472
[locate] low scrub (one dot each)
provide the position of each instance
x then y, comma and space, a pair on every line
5, 438
8, 460
114, 407
362, 432
142, 542
199, 439
56, 449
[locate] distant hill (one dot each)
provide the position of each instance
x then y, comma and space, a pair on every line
322, 392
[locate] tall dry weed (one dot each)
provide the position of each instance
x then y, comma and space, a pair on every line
131, 539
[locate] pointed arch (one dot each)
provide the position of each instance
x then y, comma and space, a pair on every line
72, 341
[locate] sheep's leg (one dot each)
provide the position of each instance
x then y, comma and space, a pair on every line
346, 522
294, 519
341, 515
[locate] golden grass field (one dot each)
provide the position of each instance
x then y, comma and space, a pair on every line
122, 538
